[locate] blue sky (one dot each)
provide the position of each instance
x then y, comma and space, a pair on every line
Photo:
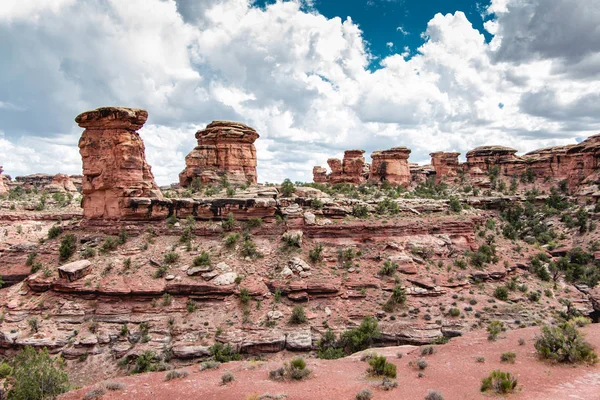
400, 22
311, 82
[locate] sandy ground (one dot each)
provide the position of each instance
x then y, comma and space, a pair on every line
452, 370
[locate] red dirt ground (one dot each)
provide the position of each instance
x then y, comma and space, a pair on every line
452, 370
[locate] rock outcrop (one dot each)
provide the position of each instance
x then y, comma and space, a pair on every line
319, 175
114, 161
225, 150
391, 165
481, 159
60, 183
445, 164
3, 183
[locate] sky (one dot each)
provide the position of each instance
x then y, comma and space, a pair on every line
313, 77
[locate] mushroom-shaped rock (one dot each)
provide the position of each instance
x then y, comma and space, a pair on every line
391, 165
225, 150
75, 270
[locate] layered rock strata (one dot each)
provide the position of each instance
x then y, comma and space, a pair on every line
446, 165
3, 183
114, 161
391, 165
225, 151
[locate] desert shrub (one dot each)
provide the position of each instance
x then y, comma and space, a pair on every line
191, 306
328, 347
534, 296
114, 386
229, 223
422, 364
501, 293
249, 249
231, 239
171, 257
161, 271
227, 377
245, 296
564, 344
36, 376
54, 232
223, 353
484, 255
388, 268
361, 337
298, 316
398, 297
109, 244
316, 254
508, 356
30, 259
494, 329
254, 222
210, 364
454, 312
434, 395
89, 252
67, 247
36, 267
123, 236
455, 205
499, 382
317, 204
291, 240
427, 350
94, 394
5, 370
378, 366
360, 211
364, 394
202, 259
295, 370
287, 188
580, 321
145, 362
174, 374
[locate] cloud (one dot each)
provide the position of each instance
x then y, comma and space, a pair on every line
402, 30
304, 81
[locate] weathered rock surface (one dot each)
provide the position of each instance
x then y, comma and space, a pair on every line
3, 183
114, 161
445, 164
75, 270
225, 150
391, 165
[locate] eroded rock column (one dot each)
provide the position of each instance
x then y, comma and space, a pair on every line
445, 164
391, 165
225, 149
114, 161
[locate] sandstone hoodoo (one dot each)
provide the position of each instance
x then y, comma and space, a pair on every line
445, 164
225, 151
352, 169
114, 161
485, 157
391, 165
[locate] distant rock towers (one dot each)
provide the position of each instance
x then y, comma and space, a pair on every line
225, 151
114, 161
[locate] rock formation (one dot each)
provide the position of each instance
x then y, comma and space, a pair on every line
3, 186
319, 174
445, 164
352, 169
114, 161
60, 183
391, 165
481, 159
225, 150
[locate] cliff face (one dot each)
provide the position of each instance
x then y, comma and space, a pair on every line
114, 161
3, 183
446, 165
225, 150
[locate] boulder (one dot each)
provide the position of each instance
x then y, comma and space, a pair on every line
300, 340
75, 270
227, 278
189, 351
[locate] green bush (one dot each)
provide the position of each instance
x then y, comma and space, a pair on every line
508, 357
316, 254
287, 188
223, 353
201, 260
232, 239
67, 247
380, 367
388, 268
499, 382
245, 296
298, 316
36, 376
455, 205
564, 344
171, 257
109, 244
360, 211
501, 293
364, 394
249, 249
494, 329
434, 395
229, 223
5, 370
54, 232
254, 223
454, 312
361, 337
227, 377
328, 347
